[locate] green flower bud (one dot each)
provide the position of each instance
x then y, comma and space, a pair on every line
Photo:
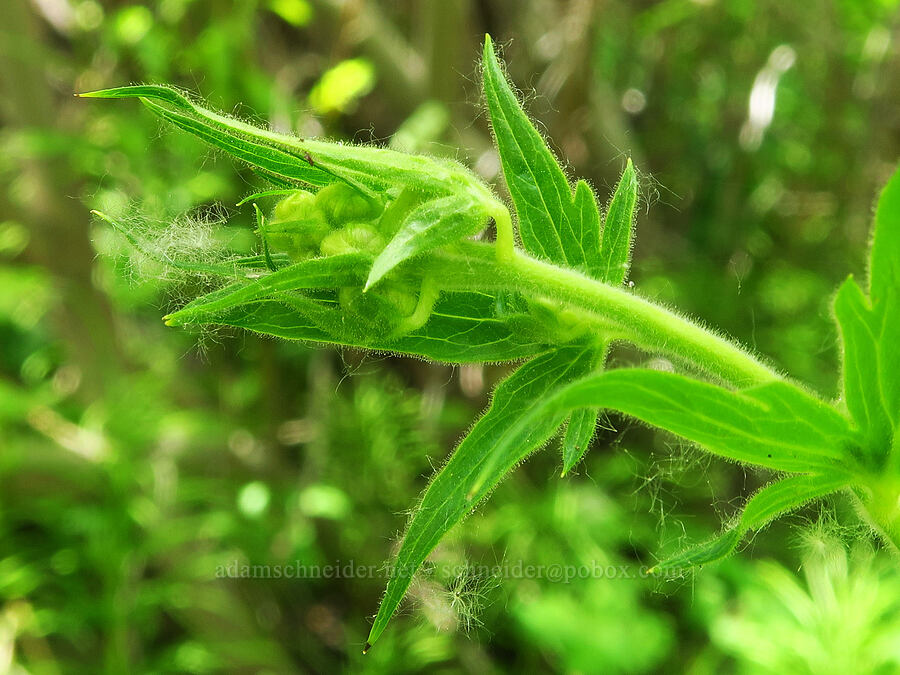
352, 238
399, 296
297, 226
297, 238
341, 204
296, 206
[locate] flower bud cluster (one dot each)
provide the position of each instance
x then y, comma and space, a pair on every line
337, 219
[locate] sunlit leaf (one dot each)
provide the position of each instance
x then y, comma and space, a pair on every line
340, 87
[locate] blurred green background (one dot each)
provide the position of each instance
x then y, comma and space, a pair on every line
135, 460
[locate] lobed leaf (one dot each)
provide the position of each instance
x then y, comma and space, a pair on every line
430, 225
507, 428
770, 502
552, 223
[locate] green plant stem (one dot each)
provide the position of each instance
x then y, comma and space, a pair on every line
475, 266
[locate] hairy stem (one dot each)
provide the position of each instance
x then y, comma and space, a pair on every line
645, 324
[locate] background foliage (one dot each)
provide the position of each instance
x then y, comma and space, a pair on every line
135, 460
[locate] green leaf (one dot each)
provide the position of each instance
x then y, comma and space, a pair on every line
463, 327
884, 293
447, 499
776, 425
865, 356
884, 258
770, 502
427, 227
282, 158
618, 229
889, 355
269, 158
579, 432
552, 223
332, 272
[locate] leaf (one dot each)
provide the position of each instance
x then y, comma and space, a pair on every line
618, 230
552, 223
447, 501
884, 293
269, 158
772, 501
884, 257
427, 227
864, 354
889, 355
776, 425
282, 158
579, 432
332, 272
463, 328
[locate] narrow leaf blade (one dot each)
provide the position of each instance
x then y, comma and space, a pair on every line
427, 227
579, 432
860, 329
884, 258
770, 502
332, 272
446, 500
618, 230
776, 425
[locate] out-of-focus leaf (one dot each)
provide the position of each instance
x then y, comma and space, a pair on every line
864, 354
340, 87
